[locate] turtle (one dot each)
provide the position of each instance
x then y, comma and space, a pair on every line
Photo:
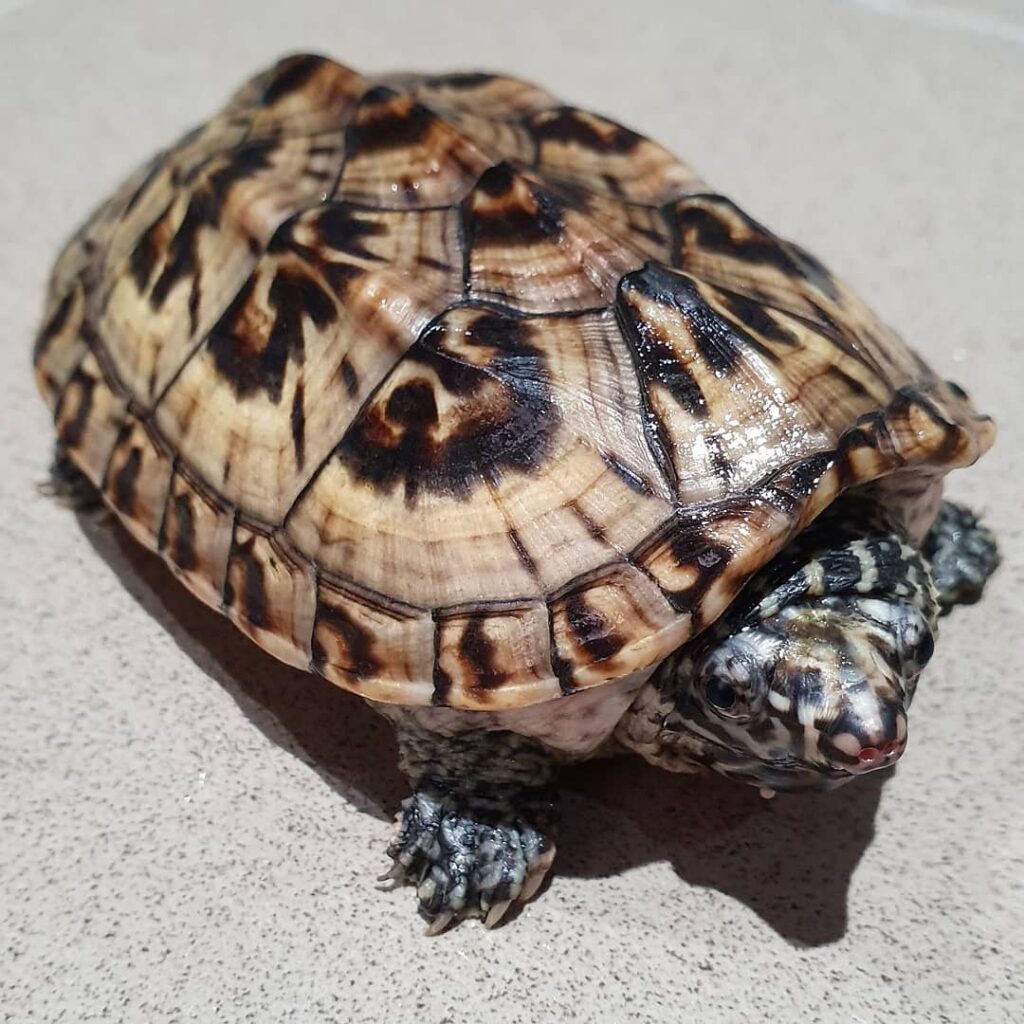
487, 409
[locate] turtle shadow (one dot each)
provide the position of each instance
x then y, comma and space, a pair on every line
790, 860
339, 736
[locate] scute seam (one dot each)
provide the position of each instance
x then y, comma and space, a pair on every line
797, 492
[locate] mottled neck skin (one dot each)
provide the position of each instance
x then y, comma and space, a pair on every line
805, 682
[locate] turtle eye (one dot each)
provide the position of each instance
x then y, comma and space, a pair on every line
721, 694
730, 679
730, 699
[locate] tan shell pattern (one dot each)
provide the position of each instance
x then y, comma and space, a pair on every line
454, 394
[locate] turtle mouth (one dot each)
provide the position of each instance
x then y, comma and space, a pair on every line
789, 776
784, 774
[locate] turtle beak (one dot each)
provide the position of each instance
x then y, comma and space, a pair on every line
869, 734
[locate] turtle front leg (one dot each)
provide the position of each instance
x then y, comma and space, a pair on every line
476, 835
963, 554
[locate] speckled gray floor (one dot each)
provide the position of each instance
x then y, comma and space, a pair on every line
190, 833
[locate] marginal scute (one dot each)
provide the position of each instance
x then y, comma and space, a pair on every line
270, 594
922, 431
457, 395
379, 649
594, 622
89, 416
138, 480
60, 347
484, 650
196, 538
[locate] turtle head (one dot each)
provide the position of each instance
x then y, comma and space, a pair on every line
799, 694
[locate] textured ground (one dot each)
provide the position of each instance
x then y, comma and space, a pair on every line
191, 833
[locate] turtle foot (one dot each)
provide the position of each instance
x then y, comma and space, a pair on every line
473, 853
963, 554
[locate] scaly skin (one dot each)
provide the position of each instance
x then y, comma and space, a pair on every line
962, 553
806, 681
476, 834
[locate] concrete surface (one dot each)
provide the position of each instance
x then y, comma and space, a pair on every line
191, 833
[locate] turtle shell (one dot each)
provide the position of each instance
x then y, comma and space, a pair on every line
454, 394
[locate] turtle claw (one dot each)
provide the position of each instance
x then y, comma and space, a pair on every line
496, 913
440, 923
472, 854
537, 873
392, 878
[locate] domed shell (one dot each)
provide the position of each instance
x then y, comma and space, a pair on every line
454, 394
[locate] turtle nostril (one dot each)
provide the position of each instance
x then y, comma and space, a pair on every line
865, 749
869, 758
